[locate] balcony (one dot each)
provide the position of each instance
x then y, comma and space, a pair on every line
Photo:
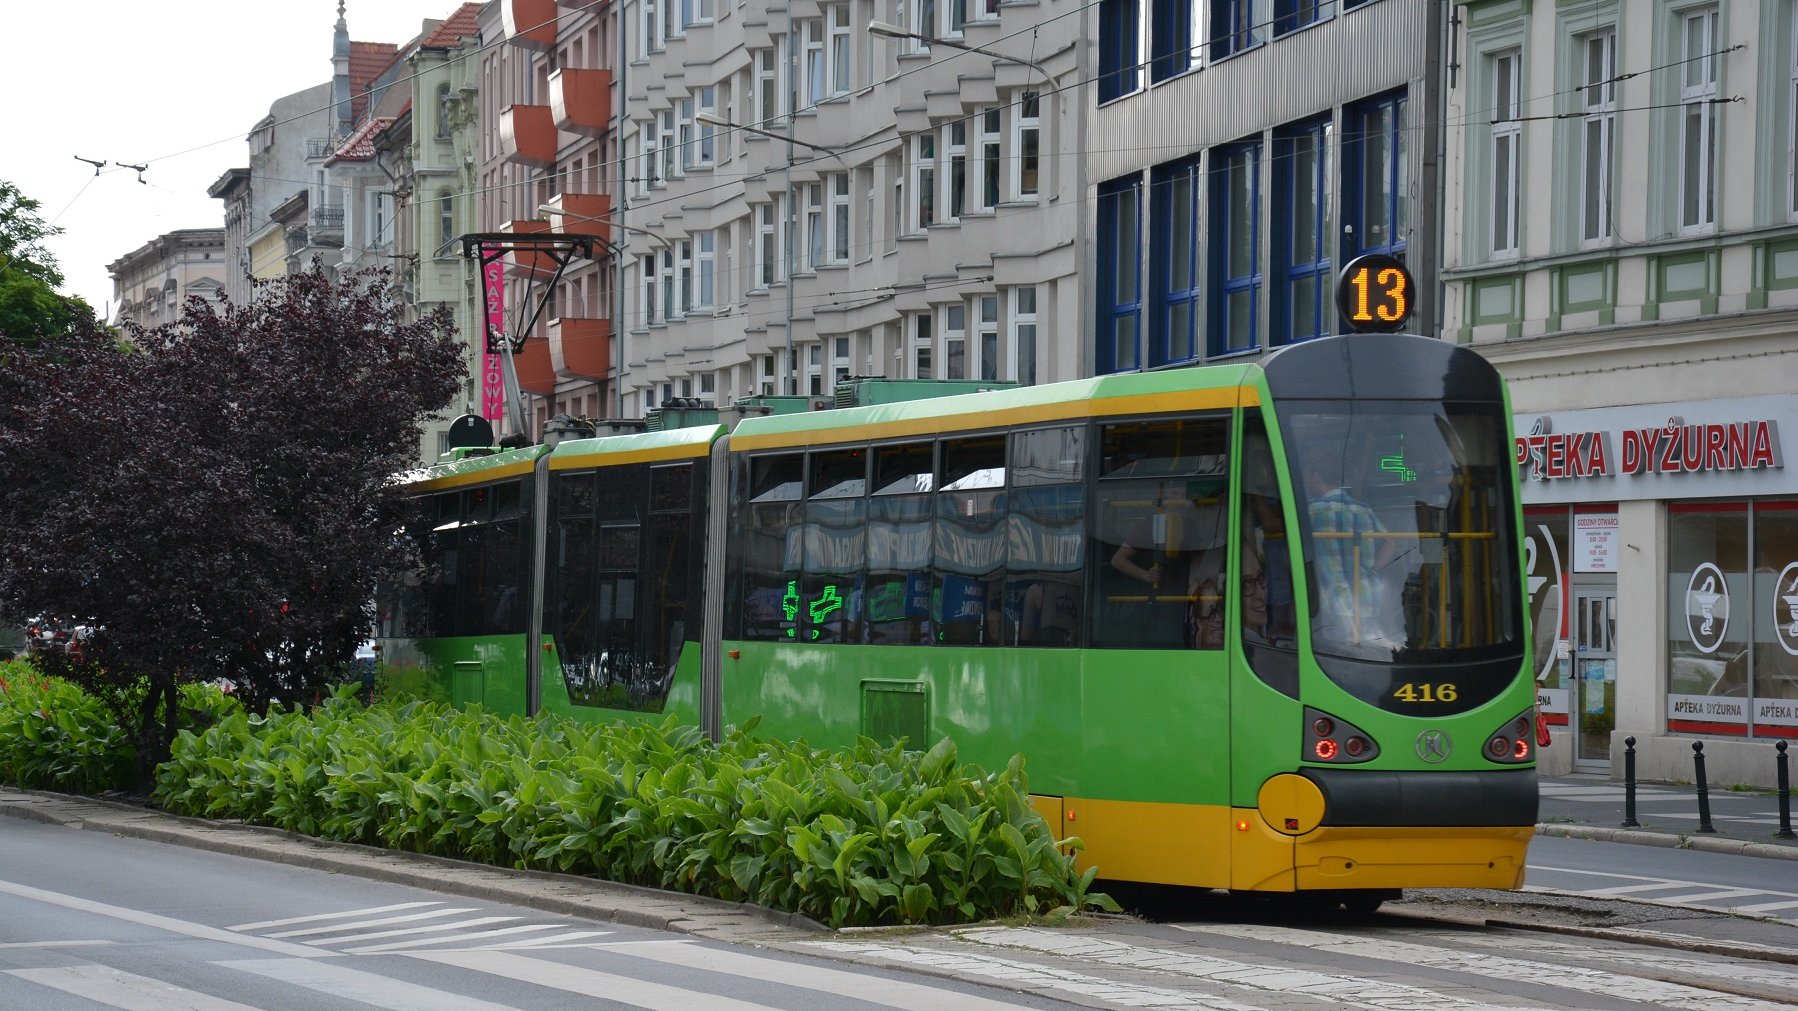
536, 374
580, 100
581, 348
530, 24
582, 214
527, 135
528, 263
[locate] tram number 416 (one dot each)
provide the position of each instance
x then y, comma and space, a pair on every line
1374, 294
1422, 692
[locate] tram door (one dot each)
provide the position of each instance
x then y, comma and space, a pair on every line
1594, 676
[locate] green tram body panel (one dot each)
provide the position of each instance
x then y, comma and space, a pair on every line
1180, 745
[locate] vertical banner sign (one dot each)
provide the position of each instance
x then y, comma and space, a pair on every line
493, 385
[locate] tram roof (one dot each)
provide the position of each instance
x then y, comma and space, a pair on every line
641, 447
471, 470
1189, 389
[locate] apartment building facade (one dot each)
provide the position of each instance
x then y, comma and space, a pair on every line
1621, 239
1241, 152
803, 199
151, 283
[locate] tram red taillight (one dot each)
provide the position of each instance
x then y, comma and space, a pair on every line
1328, 739
1510, 743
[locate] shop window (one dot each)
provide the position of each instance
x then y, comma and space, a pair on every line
1548, 574
1775, 657
1709, 617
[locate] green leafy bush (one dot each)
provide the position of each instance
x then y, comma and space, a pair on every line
866, 835
54, 736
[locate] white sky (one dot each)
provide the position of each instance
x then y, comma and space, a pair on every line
176, 85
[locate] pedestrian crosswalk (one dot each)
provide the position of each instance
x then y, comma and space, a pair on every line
1769, 902
1749, 815
443, 956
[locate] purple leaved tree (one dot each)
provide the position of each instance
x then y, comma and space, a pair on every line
214, 494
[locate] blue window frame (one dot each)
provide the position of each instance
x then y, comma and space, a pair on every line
1120, 268
1374, 176
1349, 5
1174, 257
1302, 303
1119, 73
1235, 247
1173, 38
1237, 25
1291, 15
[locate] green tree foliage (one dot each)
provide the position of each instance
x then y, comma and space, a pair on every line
214, 493
30, 307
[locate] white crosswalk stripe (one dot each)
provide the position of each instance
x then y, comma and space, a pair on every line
411, 925
435, 928
453, 940
1340, 989
339, 981
588, 982
1020, 974
839, 982
1668, 891
384, 921
126, 991
315, 917
1761, 974
1643, 990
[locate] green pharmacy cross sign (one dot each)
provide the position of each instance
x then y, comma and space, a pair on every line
828, 603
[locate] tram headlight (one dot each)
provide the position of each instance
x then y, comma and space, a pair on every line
1328, 739
1512, 744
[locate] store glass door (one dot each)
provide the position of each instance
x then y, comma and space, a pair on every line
1594, 676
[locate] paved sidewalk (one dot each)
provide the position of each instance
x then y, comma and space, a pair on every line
1667, 814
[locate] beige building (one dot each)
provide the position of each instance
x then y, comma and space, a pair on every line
1621, 239
152, 282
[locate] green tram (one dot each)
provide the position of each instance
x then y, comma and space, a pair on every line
1254, 626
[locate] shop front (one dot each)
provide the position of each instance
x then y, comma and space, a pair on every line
1662, 553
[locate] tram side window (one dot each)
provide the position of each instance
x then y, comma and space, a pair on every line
1045, 566
574, 590
623, 497
443, 552
405, 604
769, 546
1161, 524
896, 595
968, 541
667, 599
834, 546
1269, 614
500, 609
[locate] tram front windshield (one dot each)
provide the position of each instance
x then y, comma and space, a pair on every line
1407, 514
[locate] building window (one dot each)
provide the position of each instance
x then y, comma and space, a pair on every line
839, 216
1174, 261
1120, 260
986, 337
1118, 48
1291, 15
446, 221
649, 290
1236, 247
923, 343
652, 156
706, 271
1502, 73
1026, 146
766, 252
987, 139
670, 157
651, 37
923, 181
1301, 232
770, 70
1598, 100
666, 281
689, 151
814, 224
1374, 177
1237, 25
1698, 121
1708, 640
1176, 37
811, 34
836, 17
955, 175
708, 103
955, 341
1020, 358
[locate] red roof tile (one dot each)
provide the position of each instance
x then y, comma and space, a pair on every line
454, 29
367, 60
361, 145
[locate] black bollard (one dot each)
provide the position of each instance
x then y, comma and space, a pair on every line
1629, 784
1704, 793
1785, 795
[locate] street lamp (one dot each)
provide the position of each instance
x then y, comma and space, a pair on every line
895, 32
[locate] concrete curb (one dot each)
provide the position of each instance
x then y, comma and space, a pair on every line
1702, 843
565, 894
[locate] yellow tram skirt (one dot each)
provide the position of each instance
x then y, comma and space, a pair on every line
1389, 857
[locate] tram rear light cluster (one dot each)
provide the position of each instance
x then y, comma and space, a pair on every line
1513, 743
1328, 739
